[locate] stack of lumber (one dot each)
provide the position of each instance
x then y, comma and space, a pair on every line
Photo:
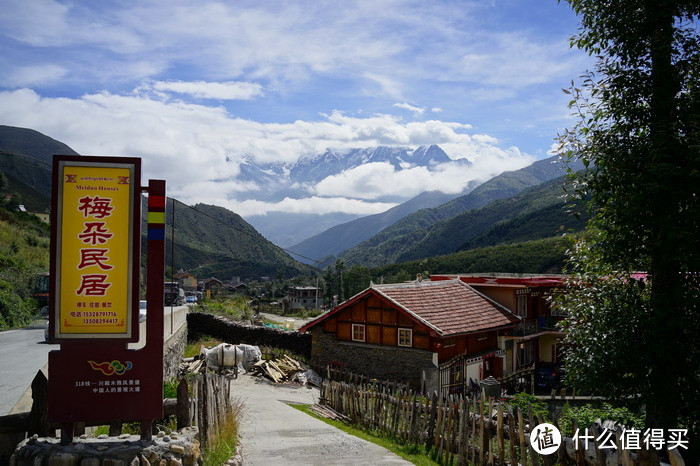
328, 413
192, 366
279, 370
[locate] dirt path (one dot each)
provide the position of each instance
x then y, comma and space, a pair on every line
274, 433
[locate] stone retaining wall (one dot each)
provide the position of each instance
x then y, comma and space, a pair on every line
234, 332
177, 449
173, 349
375, 361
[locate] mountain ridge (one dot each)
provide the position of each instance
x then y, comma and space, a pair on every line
390, 243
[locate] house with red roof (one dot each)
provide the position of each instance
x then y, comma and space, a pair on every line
535, 339
406, 331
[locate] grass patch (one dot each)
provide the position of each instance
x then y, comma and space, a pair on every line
418, 455
222, 448
192, 348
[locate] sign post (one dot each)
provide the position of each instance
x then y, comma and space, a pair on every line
95, 267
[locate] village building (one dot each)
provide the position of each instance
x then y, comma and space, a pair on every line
186, 281
301, 297
406, 331
535, 339
210, 286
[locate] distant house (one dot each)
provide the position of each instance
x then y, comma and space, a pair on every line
535, 339
46, 218
210, 286
302, 297
186, 281
405, 331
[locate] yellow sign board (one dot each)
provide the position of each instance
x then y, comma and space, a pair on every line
94, 248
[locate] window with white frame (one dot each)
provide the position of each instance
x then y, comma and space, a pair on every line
521, 305
358, 332
405, 337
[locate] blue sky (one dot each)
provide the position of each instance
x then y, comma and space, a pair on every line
195, 86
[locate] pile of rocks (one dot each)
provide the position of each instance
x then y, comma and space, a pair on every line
180, 448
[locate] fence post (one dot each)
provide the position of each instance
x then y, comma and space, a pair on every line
521, 437
499, 435
39, 415
183, 405
531, 423
512, 437
431, 421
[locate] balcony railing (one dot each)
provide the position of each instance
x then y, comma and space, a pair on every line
538, 325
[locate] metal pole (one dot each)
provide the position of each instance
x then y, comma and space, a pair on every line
172, 266
317, 292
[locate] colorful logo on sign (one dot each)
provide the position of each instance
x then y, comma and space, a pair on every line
111, 368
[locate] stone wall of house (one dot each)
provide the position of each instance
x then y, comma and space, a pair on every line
173, 349
376, 361
235, 332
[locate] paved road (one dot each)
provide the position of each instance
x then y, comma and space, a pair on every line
298, 322
22, 354
274, 433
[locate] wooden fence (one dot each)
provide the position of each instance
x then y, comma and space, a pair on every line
339, 375
463, 431
207, 405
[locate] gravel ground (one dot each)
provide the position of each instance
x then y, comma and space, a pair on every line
273, 433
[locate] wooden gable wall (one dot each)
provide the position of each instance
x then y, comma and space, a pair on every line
381, 320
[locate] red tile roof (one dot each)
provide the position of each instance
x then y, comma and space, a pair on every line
450, 307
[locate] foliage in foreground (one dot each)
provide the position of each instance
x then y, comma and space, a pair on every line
527, 402
24, 255
586, 415
638, 130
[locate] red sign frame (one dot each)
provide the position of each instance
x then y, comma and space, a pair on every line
100, 379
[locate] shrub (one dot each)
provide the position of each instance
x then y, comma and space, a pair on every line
586, 415
525, 402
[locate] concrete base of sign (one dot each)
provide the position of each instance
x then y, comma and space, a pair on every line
179, 448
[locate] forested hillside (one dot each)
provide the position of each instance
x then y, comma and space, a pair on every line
213, 241
538, 256
538, 212
24, 255
440, 230
348, 234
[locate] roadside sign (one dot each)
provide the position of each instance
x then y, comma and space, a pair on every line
94, 295
95, 259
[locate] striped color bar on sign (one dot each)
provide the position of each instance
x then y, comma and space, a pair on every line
156, 218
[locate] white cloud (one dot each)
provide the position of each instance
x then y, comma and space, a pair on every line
417, 111
436, 110
307, 205
380, 179
192, 145
34, 75
231, 90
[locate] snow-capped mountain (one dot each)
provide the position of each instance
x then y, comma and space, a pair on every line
280, 180
299, 180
